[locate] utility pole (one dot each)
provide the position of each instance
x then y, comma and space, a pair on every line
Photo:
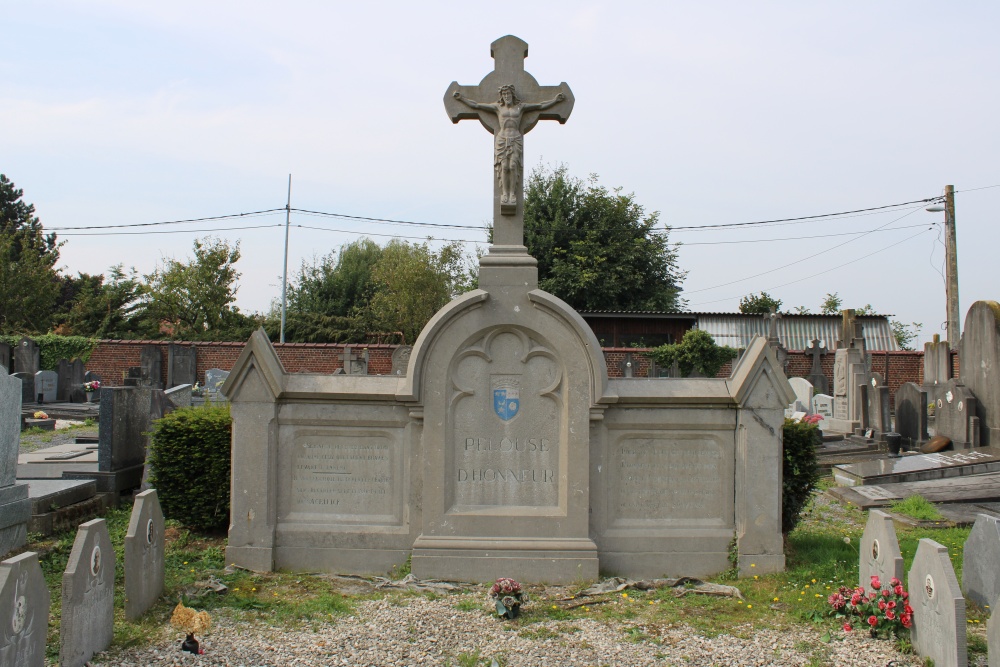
951, 268
284, 273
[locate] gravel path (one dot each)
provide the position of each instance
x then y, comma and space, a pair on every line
420, 631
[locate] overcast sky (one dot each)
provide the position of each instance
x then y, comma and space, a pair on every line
115, 113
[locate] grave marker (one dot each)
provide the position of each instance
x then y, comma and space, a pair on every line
911, 414
803, 394
938, 630
980, 366
879, 552
182, 365
77, 372
955, 415
88, 596
823, 406
15, 508
816, 376
25, 600
401, 359
27, 387
151, 367
144, 563
5, 359
980, 561
63, 377
46, 386
214, 379
354, 365
27, 358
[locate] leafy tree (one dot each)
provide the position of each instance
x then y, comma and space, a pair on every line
102, 306
697, 352
905, 334
193, 300
29, 283
598, 249
336, 283
866, 309
801, 310
831, 305
759, 303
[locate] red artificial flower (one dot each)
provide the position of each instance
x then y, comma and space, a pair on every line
856, 599
881, 605
892, 604
906, 620
837, 601
876, 582
885, 593
908, 609
890, 614
848, 627
898, 590
895, 582
872, 621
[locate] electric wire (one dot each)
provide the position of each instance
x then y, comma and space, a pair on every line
252, 214
684, 244
171, 231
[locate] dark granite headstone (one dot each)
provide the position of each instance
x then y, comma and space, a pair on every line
27, 358
911, 414
151, 367
133, 377
5, 358
955, 415
27, 387
76, 373
63, 372
126, 416
182, 365
816, 376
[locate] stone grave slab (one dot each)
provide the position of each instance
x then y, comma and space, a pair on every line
46, 495
911, 415
151, 367
879, 414
27, 387
938, 630
401, 359
63, 378
822, 405
214, 379
14, 504
993, 638
182, 365
179, 396
46, 386
971, 489
918, 467
955, 415
879, 551
52, 462
25, 597
5, 359
144, 555
88, 596
27, 357
980, 361
981, 562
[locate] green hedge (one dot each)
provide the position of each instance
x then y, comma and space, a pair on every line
800, 473
190, 465
53, 347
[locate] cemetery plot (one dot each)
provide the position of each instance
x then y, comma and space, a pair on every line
919, 467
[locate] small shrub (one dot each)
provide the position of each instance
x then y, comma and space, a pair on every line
190, 465
697, 351
918, 507
799, 475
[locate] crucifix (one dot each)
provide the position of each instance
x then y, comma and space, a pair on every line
508, 102
771, 319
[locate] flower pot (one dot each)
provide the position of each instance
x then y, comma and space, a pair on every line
895, 443
89, 396
513, 612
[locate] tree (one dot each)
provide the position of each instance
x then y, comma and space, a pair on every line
759, 303
29, 283
336, 284
598, 249
697, 352
101, 306
193, 300
831, 304
905, 333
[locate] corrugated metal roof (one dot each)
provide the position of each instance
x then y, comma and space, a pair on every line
683, 313
796, 332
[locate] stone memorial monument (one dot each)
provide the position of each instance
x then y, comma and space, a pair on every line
151, 367
144, 555
15, 508
63, 379
88, 596
27, 357
817, 378
25, 599
5, 359
955, 415
46, 386
938, 630
214, 379
182, 365
506, 448
980, 366
353, 364
911, 414
879, 552
401, 359
850, 371
77, 373
980, 555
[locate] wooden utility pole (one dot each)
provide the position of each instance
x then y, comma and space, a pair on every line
951, 268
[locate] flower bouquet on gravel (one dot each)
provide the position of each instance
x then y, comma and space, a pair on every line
507, 597
886, 611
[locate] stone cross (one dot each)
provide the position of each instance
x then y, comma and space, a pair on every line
772, 331
816, 351
508, 102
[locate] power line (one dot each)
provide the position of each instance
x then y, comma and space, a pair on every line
384, 221
799, 238
985, 187
168, 231
394, 236
173, 222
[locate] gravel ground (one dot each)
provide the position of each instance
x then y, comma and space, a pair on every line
61, 436
434, 632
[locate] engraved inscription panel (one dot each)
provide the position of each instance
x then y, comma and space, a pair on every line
341, 474
676, 479
506, 418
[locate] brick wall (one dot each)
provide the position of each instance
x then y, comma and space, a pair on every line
112, 358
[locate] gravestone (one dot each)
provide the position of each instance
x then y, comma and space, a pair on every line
46, 386
849, 371
77, 373
15, 507
817, 378
822, 405
980, 560
353, 364
506, 447
803, 392
182, 365
151, 367
955, 415
937, 361
133, 377
401, 359
27, 358
627, 366
879, 552
911, 414
878, 409
5, 360
27, 387
25, 600
993, 637
938, 630
126, 418
88, 596
144, 555
980, 366
864, 417
179, 396
63, 379
214, 379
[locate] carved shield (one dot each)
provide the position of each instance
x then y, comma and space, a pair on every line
506, 396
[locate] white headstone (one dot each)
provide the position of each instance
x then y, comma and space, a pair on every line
938, 630
981, 562
803, 391
88, 596
144, 564
879, 553
822, 405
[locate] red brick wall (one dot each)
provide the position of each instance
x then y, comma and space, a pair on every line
112, 358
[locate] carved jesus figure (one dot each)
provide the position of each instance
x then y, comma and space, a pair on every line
509, 142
